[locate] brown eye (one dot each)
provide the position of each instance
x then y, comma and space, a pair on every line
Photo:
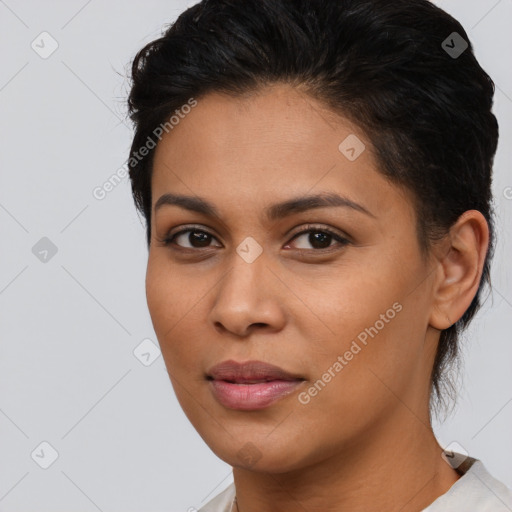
318, 239
191, 239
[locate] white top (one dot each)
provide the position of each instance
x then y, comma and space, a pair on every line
475, 490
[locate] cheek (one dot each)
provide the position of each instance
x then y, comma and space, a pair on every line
169, 293
166, 303
176, 311
159, 296
350, 298
359, 381
371, 319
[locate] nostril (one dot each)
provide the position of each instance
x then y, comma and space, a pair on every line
259, 324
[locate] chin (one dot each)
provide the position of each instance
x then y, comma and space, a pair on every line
258, 452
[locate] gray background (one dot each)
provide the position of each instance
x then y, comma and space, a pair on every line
71, 321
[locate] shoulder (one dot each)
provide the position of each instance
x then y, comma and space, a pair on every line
222, 502
475, 490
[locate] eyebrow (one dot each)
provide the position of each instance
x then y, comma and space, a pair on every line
273, 212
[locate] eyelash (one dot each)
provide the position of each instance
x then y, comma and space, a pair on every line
168, 240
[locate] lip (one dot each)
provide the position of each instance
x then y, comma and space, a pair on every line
234, 384
249, 371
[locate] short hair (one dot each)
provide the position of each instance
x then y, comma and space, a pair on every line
393, 67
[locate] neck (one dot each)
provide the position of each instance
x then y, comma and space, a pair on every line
393, 467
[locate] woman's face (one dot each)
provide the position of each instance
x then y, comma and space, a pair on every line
344, 308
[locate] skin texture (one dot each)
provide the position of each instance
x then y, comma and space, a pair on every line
364, 442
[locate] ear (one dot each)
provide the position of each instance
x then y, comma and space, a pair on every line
461, 262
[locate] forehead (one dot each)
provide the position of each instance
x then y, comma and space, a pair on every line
267, 146
280, 118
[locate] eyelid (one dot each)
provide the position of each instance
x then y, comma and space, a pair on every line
308, 228
169, 237
341, 238
190, 227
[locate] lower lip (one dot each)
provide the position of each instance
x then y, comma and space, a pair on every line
252, 396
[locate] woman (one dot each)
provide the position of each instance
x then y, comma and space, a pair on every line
315, 177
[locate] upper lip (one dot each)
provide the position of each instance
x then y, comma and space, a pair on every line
249, 371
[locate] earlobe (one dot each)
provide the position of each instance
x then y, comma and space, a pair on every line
460, 269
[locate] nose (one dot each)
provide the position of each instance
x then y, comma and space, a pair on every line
248, 297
